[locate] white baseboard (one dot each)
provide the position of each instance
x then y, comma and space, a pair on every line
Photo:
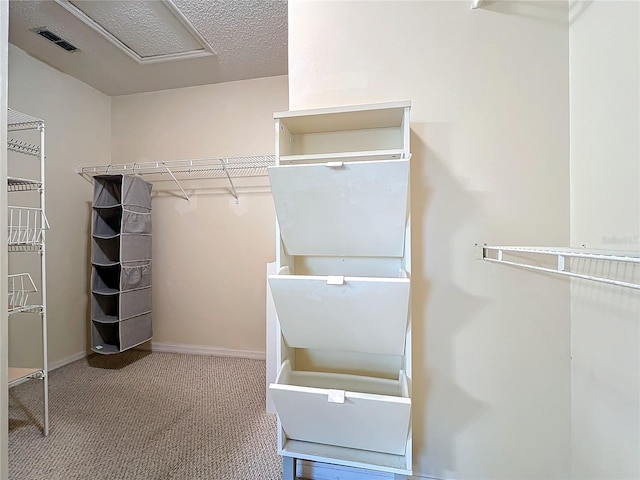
206, 350
66, 361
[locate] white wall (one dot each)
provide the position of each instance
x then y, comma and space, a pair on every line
209, 255
78, 132
209, 262
605, 213
4, 344
490, 143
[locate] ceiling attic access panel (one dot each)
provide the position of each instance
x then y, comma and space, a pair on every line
350, 209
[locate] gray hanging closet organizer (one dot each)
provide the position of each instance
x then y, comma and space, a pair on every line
120, 263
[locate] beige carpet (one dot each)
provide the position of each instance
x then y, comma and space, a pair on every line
146, 416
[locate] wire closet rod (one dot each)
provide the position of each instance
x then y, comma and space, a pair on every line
496, 254
194, 169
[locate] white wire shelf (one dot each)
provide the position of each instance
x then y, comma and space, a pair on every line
21, 121
19, 374
15, 184
26, 227
226, 168
526, 257
20, 287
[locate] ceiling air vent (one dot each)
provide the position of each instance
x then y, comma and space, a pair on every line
52, 37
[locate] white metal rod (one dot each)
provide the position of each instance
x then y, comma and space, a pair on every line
569, 274
43, 271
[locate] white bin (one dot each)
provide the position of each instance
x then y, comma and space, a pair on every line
345, 410
355, 314
342, 209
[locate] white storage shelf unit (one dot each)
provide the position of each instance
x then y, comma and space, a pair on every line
342, 291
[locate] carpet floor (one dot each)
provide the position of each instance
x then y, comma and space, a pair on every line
146, 416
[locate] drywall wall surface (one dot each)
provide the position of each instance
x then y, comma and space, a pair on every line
78, 132
209, 254
605, 214
490, 164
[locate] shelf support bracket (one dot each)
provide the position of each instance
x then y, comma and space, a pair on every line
475, 4
177, 183
560, 263
226, 172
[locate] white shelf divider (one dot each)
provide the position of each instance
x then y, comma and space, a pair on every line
394, 154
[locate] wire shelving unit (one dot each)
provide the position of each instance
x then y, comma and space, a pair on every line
26, 233
529, 258
227, 168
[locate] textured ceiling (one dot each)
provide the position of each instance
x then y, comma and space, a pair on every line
248, 36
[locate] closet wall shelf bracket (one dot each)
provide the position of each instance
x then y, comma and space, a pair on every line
566, 261
177, 183
476, 4
233, 189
